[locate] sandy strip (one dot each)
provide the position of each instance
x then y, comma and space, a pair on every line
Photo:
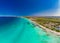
47, 30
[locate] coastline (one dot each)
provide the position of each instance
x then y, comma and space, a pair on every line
46, 29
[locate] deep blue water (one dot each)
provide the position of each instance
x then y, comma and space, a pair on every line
6, 20
26, 7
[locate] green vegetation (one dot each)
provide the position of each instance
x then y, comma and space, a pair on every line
52, 23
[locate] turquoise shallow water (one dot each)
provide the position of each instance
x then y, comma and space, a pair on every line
22, 30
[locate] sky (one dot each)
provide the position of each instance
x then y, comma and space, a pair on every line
28, 7
50, 12
58, 10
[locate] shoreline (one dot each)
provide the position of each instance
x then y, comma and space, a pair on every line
46, 29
